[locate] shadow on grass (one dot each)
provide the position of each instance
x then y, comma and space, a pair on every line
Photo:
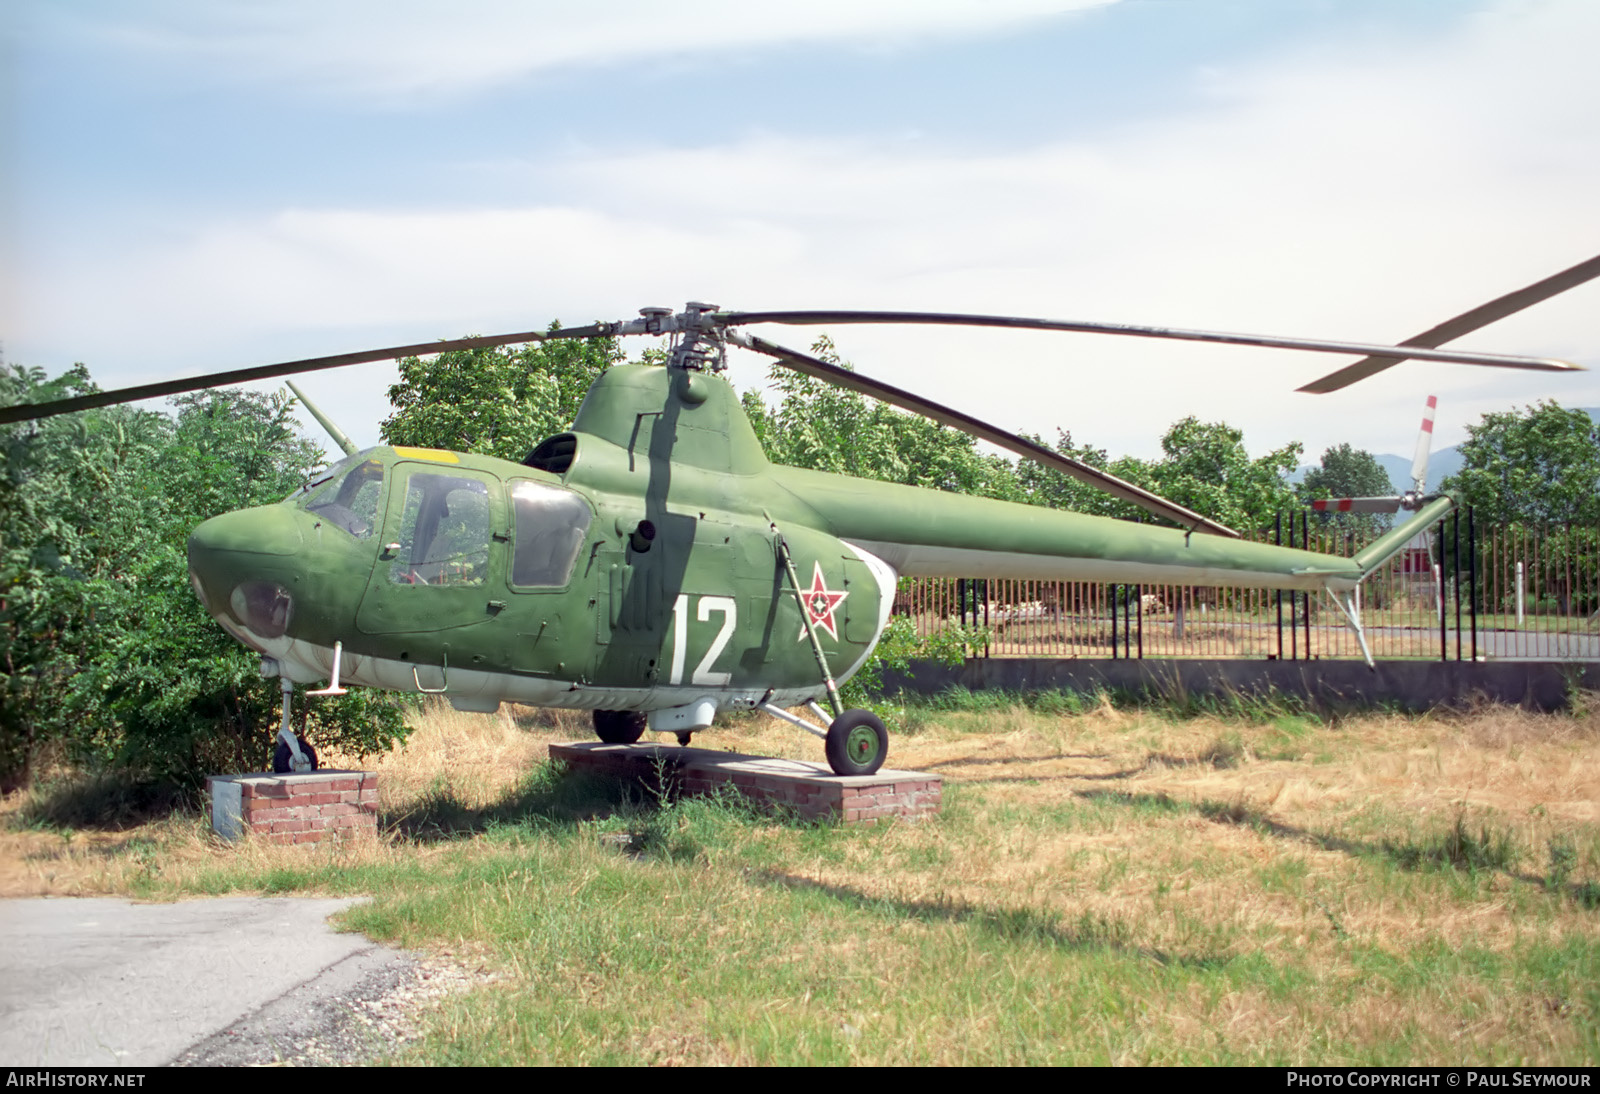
974, 761
106, 803
555, 797
1089, 933
1220, 754
1459, 848
551, 796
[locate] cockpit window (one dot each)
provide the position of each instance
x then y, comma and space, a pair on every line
551, 525
444, 532
348, 498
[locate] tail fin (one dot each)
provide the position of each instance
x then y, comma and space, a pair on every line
1386, 546
1378, 552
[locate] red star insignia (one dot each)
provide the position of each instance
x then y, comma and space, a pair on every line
820, 604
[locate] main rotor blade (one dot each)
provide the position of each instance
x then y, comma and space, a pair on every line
899, 397
1315, 345
23, 412
1465, 323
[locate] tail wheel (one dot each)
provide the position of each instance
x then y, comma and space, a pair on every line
857, 743
619, 727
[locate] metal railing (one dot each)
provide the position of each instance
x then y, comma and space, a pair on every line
1454, 593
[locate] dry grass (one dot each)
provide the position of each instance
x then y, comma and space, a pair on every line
1185, 833
1114, 885
474, 758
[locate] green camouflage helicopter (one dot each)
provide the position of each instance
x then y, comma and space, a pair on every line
651, 565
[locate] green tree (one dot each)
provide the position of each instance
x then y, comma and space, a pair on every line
1041, 485
70, 493
1347, 472
1539, 465
108, 659
1205, 467
822, 427
497, 402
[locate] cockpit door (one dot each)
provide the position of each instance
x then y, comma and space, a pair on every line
442, 559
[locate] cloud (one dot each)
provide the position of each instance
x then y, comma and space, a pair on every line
409, 47
1332, 191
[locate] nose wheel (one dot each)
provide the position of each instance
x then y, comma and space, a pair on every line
284, 761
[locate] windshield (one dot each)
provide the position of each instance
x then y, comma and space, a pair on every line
346, 495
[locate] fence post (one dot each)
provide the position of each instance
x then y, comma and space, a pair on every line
1111, 594
1438, 592
1277, 539
1472, 578
1138, 600
1305, 544
986, 614
1455, 575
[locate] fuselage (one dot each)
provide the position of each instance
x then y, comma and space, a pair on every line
491, 581
634, 563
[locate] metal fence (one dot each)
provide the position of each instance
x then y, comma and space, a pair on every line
1453, 593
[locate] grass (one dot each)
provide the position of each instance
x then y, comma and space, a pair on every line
1111, 881
1543, 622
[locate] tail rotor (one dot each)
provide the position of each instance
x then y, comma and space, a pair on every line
1411, 499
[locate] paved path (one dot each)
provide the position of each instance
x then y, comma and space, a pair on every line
109, 983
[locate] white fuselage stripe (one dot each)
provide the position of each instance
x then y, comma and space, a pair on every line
923, 561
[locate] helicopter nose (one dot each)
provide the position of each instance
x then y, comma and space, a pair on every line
230, 555
269, 530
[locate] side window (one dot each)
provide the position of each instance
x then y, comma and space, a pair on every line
551, 525
351, 501
444, 532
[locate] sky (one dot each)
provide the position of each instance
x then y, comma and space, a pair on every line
191, 186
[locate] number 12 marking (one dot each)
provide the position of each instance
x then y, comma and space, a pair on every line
680, 638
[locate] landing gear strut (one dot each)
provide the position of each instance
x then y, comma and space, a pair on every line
856, 741
291, 754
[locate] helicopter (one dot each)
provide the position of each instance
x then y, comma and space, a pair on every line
650, 565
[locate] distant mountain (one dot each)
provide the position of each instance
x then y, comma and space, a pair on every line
1441, 465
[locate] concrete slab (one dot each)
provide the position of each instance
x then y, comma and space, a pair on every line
97, 982
809, 789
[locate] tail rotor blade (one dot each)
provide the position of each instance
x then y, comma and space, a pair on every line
1356, 505
1419, 462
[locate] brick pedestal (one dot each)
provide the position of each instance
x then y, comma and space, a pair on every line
809, 789
322, 805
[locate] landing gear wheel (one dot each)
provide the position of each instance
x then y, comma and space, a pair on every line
684, 739
283, 759
619, 727
857, 743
